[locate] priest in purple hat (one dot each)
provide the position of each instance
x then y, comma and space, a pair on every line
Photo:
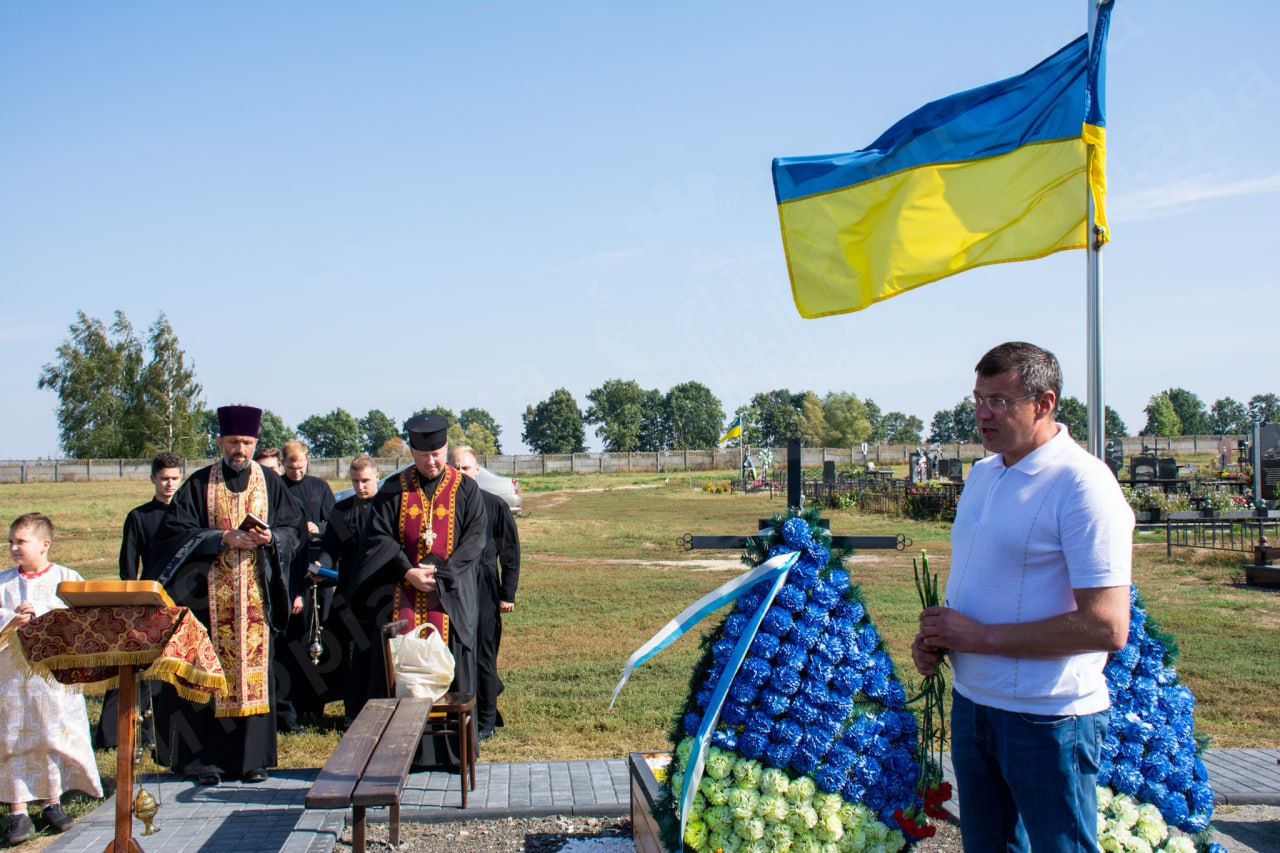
229, 535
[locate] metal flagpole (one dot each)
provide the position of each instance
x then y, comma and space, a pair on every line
1093, 254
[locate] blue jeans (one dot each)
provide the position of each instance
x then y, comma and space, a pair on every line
1026, 781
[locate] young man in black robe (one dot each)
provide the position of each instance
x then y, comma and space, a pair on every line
340, 547
140, 527
421, 561
303, 687
499, 577
230, 570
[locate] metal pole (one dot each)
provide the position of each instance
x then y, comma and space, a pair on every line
1258, 503
1093, 254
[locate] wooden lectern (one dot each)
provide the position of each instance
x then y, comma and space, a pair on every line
191, 663
120, 594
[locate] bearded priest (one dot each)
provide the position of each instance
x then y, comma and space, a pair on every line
229, 536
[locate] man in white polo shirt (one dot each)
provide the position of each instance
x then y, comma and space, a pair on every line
1037, 595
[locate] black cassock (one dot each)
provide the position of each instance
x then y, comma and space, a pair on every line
497, 584
383, 566
303, 686
340, 549
189, 738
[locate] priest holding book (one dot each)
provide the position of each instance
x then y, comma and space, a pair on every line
225, 547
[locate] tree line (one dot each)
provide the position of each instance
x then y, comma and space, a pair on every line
125, 395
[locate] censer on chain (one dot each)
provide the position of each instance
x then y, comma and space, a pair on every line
315, 647
145, 806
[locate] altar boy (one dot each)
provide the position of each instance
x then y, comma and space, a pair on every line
44, 727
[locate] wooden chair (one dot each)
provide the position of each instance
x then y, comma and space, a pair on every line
452, 715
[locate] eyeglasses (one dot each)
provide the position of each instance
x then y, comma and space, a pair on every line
999, 405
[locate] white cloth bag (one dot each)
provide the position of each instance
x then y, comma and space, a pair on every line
423, 664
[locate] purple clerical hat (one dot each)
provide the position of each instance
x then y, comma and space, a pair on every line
239, 420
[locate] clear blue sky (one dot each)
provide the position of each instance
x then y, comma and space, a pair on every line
404, 204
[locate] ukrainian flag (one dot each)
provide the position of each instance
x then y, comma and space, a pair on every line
998, 173
734, 431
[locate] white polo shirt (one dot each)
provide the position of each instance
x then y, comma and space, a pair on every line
1023, 539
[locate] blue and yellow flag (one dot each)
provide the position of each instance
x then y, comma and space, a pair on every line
734, 431
998, 173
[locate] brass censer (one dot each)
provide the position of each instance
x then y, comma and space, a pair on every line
145, 806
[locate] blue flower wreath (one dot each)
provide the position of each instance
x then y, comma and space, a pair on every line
817, 695
1151, 752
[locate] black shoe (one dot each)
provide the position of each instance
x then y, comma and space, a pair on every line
484, 736
55, 818
20, 829
288, 727
208, 778
255, 776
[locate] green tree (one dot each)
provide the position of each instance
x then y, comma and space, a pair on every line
694, 416
274, 432
655, 431
875, 417
848, 420
474, 436
1114, 424
618, 407
956, 424
209, 434
900, 428
813, 421
484, 419
1191, 412
393, 447
376, 429
335, 434
554, 425
1229, 417
1162, 417
169, 413
1264, 408
1075, 415
95, 378
777, 416
481, 440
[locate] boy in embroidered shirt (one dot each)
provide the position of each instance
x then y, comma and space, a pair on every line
44, 727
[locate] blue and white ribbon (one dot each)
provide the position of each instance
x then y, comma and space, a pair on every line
781, 566
692, 615
775, 569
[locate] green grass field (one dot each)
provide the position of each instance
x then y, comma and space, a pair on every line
602, 572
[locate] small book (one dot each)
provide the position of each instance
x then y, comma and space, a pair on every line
252, 522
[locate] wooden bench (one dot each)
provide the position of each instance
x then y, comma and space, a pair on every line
371, 764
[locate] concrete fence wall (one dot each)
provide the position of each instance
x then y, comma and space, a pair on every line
84, 470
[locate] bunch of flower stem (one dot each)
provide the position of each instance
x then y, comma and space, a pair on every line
933, 691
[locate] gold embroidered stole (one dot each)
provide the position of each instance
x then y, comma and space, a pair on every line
237, 611
425, 530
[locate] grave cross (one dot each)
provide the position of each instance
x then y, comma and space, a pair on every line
895, 542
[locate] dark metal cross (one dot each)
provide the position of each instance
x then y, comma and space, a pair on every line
892, 542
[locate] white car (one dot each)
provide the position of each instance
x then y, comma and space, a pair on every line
507, 488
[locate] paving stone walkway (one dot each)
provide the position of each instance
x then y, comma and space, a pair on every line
239, 818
